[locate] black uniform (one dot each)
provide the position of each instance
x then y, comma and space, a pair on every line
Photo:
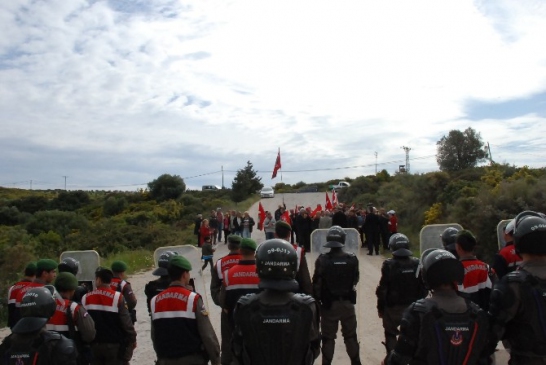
155, 287
443, 329
371, 232
334, 281
278, 315
398, 288
517, 313
41, 347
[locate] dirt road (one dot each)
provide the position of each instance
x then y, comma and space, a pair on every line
370, 329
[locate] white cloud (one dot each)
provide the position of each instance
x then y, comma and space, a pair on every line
224, 83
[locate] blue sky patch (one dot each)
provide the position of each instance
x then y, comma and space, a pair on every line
535, 104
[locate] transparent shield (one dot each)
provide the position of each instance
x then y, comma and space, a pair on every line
430, 236
193, 255
352, 245
500, 232
88, 262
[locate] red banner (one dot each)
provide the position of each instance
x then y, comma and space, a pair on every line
328, 202
261, 214
277, 165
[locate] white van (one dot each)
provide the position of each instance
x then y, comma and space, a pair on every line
210, 187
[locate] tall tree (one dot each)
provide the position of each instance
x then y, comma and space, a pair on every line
166, 187
245, 183
460, 150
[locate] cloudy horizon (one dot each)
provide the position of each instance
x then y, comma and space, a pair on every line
112, 94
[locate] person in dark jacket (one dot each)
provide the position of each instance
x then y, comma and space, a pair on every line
339, 218
304, 227
371, 230
400, 285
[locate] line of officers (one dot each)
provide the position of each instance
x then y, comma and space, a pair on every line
272, 313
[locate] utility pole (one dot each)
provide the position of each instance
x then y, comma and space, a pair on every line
222, 168
375, 162
30, 184
490, 157
65, 182
407, 149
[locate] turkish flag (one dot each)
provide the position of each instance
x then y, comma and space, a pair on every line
261, 214
334, 198
328, 202
317, 209
277, 165
286, 217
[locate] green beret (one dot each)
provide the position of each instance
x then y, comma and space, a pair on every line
181, 262
248, 243
119, 266
283, 224
233, 238
31, 266
46, 264
66, 281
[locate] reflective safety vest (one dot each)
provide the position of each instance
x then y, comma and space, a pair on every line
226, 263
102, 304
240, 280
22, 291
59, 321
118, 284
174, 321
513, 260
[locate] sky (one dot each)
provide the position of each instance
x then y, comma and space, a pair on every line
109, 95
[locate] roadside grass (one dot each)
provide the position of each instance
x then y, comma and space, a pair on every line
136, 260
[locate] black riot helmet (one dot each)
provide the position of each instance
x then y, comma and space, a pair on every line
69, 264
37, 306
530, 233
277, 264
335, 237
441, 267
163, 263
449, 236
399, 245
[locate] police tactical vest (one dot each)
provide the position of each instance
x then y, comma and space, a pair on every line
404, 287
102, 305
450, 338
338, 273
277, 334
527, 331
39, 350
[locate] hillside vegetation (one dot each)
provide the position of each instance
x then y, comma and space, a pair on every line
42, 224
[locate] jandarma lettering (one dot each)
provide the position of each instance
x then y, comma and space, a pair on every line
458, 329
245, 274
275, 263
105, 293
474, 267
276, 320
172, 295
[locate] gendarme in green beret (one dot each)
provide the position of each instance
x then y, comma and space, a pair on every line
248, 244
46, 264
181, 262
31, 266
66, 281
233, 238
284, 224
119, 266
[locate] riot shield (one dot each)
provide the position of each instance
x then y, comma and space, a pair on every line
352, 245
88, 262
193, 255
500, 232
431, 235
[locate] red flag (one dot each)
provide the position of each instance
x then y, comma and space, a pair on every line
317, 209
334, 198
328, 202
286, 217
261, 214
277, 165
